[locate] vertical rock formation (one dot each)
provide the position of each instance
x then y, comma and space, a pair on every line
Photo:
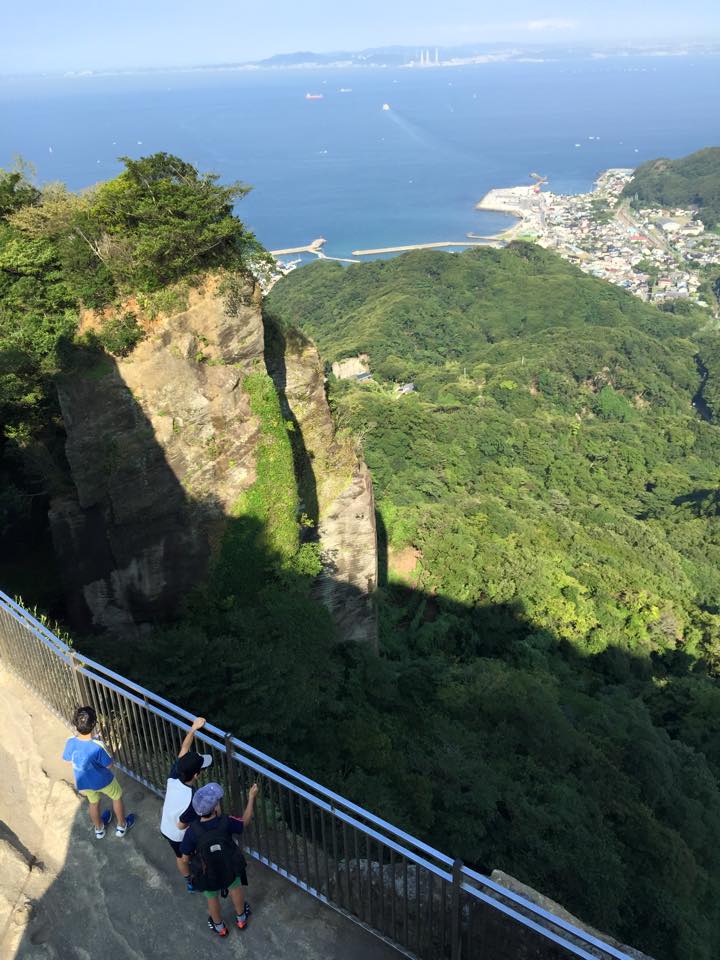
160, 445
335, 485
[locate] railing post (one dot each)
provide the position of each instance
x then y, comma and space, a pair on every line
455, 911
77, 685
231, 777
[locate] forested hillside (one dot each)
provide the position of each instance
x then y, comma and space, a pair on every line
692, 181
546, 701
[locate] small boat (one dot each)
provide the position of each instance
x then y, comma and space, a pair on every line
345, 89
314, 96
386, 106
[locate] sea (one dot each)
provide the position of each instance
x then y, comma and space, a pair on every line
339, 166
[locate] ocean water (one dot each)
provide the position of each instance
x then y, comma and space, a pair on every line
341, 167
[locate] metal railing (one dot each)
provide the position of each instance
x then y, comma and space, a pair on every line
410, 895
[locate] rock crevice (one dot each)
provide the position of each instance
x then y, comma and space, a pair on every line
336, 486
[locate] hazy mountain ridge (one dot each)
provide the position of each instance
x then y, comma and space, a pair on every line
404, 56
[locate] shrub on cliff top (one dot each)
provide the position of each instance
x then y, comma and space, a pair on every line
121, 333
156, 222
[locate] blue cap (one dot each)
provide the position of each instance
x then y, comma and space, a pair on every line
207, 798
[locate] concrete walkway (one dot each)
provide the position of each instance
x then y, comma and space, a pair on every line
66, 896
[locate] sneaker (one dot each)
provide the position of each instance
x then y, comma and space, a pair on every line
221, 930
129, 821
189, 885
106, 816
241, 919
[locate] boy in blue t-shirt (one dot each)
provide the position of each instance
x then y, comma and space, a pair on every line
91, 767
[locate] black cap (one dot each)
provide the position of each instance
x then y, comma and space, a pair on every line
192, 763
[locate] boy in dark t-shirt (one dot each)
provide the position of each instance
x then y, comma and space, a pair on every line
211, 822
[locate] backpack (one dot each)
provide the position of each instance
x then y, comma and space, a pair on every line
217, 859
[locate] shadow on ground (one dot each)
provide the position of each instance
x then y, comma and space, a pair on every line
66, 896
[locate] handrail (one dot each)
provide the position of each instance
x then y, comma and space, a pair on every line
553, 918
24, 614
247, 748
144, 725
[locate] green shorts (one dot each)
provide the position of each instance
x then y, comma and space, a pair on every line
112, 790
238, 881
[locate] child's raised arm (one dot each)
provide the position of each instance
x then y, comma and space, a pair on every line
250, 807
189, 736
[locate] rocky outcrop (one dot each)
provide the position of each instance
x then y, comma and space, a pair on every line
515, 886
352, 367
337, 489
160, 445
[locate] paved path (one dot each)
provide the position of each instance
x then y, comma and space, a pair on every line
66, 896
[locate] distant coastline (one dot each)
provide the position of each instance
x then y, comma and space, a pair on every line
654, 254
512, 201
657, 254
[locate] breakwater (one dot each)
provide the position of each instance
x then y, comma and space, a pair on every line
440, 244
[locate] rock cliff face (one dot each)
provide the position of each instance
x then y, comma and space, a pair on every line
337, 488
510, 883
159, 444
162, 443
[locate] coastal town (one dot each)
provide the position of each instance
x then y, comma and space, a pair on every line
656, 254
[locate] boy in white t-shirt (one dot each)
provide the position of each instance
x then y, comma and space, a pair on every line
178, 812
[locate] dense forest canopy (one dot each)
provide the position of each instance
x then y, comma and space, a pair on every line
692, 181
551, 701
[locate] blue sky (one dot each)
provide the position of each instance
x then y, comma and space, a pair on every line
76, 34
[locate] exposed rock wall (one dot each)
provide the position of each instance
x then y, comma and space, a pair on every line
546, 949
352, 367
341, 488
160, 445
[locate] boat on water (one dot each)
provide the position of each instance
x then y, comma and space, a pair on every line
386, 106
314, 96
345, 89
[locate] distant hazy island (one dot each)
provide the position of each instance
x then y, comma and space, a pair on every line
431, 55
